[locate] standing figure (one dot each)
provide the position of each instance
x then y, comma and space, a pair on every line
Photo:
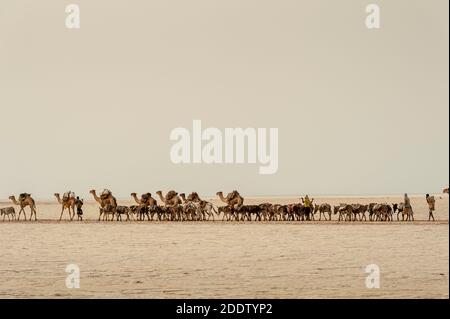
308, 206
407, 209
431, 202
79, 205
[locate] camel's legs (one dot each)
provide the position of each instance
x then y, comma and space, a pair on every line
24, 214
62, 211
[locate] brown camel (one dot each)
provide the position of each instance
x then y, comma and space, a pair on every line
8, 211
106, 199
194, 197
146, 204
183, 198
146, 199
68, 201
322, 209
233, 198
24, 201
171, 199
445, 190
173, 204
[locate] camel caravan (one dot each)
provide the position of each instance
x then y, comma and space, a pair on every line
179, 207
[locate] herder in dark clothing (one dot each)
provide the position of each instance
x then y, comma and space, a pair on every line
79, 205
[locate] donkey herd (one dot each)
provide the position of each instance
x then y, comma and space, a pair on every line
178, 207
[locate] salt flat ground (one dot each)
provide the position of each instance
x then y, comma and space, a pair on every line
226, 259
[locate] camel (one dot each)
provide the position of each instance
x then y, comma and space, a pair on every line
24, 201
233, 198
146, 199
8, 211
248, 211
278, 211
146, 205
191, 208
106, 211
172, 202
206, 208
68, 202
171, 199
382, 212
322, 209
122, 210
360, 211
106, 198
398, 208
407, 214
266, 211
345, 211
226, 211
445, 190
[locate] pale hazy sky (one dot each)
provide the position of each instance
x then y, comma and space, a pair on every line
358, 111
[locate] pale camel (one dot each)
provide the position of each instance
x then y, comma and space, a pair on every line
24, 201
67, 202
206, 208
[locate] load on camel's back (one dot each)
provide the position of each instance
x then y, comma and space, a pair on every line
23, 196
68, 195
171, 194
105, 194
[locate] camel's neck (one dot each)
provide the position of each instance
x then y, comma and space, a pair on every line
162, 198
222, 198
136, 199
59, 199
97, 199
15, 201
